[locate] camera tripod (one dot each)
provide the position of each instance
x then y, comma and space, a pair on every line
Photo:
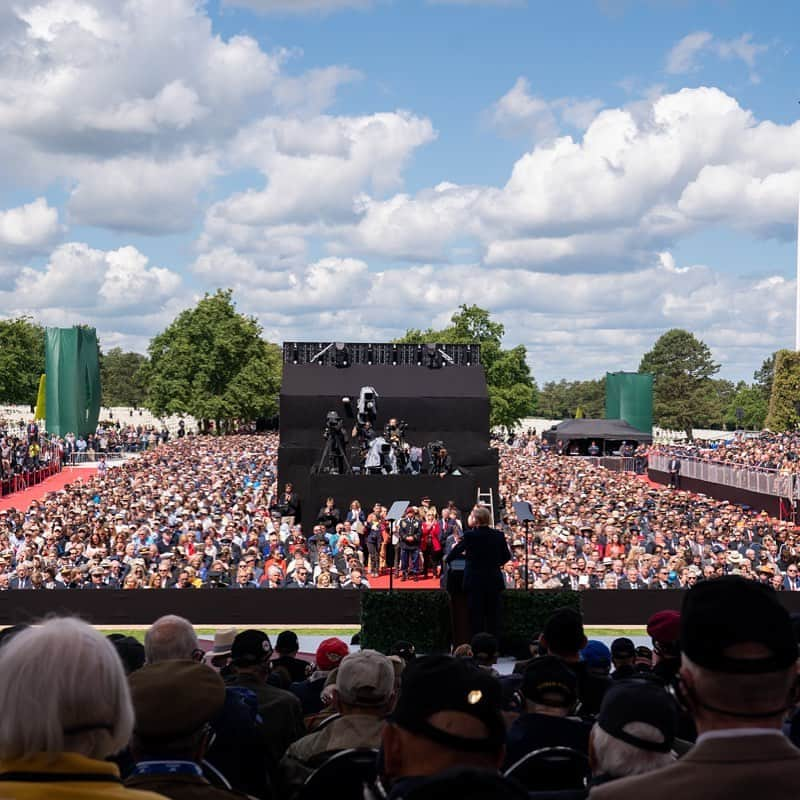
333, 460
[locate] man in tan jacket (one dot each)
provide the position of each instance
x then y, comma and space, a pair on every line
737, 678
363, 696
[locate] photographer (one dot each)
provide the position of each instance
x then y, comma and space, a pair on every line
440, 462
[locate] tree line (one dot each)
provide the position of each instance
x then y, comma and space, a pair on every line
213, 363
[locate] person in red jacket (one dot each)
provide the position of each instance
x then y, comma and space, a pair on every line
431, 545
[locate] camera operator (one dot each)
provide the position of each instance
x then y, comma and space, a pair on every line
394, 434
336, 436
441, 463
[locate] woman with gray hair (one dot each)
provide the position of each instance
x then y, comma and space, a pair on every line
66, 708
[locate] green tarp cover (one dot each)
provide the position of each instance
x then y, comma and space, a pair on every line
629, 396
73, 380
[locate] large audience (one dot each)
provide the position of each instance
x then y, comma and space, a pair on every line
206, 511
111, 717
765, 450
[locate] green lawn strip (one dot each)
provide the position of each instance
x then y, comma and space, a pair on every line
616, 631
208, 633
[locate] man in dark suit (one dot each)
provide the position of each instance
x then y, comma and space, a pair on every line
632, 580
674, 469
737, 679
791, 583
485, 551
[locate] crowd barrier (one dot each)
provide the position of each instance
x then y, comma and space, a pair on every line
19, 482
287, 607
759, 480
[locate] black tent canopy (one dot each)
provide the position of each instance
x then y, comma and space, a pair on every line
608, 433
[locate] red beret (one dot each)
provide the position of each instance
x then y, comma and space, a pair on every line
664, 626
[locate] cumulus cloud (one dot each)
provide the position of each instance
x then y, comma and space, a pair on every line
81, 280
29, 227
316, 168
639, 179
685, 54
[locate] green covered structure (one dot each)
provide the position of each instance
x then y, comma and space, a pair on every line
72, 366
629, 396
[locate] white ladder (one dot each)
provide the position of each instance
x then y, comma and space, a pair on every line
485, 498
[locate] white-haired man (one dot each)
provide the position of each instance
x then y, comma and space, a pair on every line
634, 732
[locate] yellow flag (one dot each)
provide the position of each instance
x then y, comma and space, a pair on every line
579, 413
41, 402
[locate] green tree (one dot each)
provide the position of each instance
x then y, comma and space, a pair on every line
212, 363
783, 412
763, 376
561, 399
512, 389
753, 405
122, 378
682, 369
21, 360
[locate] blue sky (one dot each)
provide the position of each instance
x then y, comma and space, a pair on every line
593, 172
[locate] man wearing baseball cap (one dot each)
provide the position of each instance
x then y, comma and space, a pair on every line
362, 695
281, 715
550, 692
287, 646
634, 732
738, 678
329, 654
447, 715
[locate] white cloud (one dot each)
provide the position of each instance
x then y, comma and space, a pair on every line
684, 55
316, 168
639, 179
29, 227
140, 193
519, 112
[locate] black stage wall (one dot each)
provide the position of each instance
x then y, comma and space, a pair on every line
450, 405
761, 502
287, 607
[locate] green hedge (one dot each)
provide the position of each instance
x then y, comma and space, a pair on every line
524, 613
423, 617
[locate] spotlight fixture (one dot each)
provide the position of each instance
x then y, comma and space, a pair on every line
295, 355
370, 356
419, 355
432, 358
341, 356
394, 355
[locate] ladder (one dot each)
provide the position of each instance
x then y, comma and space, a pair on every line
485, 498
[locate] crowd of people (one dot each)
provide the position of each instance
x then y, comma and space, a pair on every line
765, 450
206, 511
711, 710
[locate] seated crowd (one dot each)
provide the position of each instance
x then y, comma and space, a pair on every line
207, 512
709, 711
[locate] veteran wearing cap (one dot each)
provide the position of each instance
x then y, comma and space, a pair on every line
447, 716
550, 692
174, 702
362, 695
737, 678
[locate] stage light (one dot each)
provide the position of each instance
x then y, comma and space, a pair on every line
295, 355
341, 356
469, 356
394, 355
433, 359
419, 355
370, 355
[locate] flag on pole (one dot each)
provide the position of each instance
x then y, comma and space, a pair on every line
41, 403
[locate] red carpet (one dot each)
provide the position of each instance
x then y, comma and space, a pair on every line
21, 500
383, 583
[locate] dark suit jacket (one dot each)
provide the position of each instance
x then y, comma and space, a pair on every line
718, 769
485, 551
674, 465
